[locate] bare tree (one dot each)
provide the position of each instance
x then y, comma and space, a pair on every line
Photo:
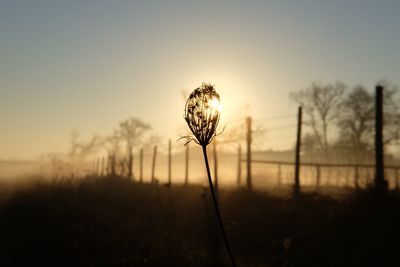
81, 150
112, 143
132, 131
391, 112
358, 120
309, 143
74, 144
320, 103
90, 147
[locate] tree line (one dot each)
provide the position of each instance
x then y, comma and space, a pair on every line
119, 146
342, 117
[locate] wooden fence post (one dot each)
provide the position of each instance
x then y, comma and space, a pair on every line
169, 162
187, 165
337, 179
297, 156
318, 177
153, 166
130, 163
91, 168
239, 169
107, 169
123, 164
113, 162
98, 166
380, 182
356, 177
87, 168
141, 166
248, 159
102, 167
279, 175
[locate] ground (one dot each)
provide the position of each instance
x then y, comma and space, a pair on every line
115, 222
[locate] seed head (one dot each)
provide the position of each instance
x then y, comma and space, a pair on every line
202, 113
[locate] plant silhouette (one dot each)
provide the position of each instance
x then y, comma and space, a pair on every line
202, 114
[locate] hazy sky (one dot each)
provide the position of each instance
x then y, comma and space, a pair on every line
87, 65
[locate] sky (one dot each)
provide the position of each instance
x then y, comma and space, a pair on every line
87, 65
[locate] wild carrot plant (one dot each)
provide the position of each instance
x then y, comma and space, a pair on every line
202, 114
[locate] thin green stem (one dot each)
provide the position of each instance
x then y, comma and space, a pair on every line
221, 225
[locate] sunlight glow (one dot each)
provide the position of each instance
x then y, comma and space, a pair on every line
215, 104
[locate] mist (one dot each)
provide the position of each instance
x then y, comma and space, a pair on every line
183, 133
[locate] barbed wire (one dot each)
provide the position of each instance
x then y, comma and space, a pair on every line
287, 126
176, 149
275, 117
293, 137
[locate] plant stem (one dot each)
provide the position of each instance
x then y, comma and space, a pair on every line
221, 225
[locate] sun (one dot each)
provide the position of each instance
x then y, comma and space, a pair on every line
215, 104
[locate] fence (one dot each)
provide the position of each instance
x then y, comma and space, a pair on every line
174, 163
169, 162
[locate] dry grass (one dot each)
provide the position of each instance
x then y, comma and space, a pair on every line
114, 222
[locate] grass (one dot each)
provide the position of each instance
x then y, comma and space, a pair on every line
115, 222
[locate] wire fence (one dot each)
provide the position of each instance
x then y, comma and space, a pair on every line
172, 162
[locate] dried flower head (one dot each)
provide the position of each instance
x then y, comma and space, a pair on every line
202, 114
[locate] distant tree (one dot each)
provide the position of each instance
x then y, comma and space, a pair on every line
112, 143
81, 150
391, 112
132, 131
309, 143
74, 144
357, 122
150, 141
320, 103
89, 148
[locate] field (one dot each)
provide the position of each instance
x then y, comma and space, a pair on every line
111, 221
